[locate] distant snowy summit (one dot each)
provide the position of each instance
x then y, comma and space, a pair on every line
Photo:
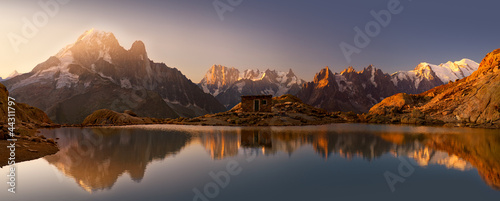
12, 75
229, 84
427, 76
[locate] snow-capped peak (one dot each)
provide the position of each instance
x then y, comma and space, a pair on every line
93, 34
466, 62
88, 32
13, 74
445, 72
450, 71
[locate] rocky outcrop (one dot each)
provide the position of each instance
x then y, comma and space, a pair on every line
107, 117
471, 101
287, 110
28, 118
96, 73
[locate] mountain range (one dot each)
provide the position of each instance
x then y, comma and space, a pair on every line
227, 85
349, 90
356, 91
96, 73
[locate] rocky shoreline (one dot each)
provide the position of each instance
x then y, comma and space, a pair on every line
28, 119
287, 111
28, 148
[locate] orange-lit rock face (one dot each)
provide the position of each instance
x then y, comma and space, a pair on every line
323, 78
490, 64
220, 75
475, 99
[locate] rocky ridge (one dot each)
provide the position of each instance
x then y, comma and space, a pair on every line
472, 101
358, 91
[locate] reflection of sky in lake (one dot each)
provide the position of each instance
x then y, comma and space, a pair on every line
345, 161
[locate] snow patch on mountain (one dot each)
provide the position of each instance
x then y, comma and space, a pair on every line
66, 79
240, 86
372, 78
104, 54
251, 74
59, 73
342, 82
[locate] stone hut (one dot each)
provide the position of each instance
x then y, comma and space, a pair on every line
257, 103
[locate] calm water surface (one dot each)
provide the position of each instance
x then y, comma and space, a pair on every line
332, 162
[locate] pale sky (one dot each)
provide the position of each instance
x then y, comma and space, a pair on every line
303, 35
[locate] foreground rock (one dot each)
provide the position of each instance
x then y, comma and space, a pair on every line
107, 117
28, 120
28, 148
473, 101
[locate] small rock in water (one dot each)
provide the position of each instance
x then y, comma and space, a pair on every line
52, 141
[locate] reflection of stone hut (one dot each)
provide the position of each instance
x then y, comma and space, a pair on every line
258, 103
256, 139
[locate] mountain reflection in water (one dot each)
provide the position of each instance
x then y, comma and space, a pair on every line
97, 157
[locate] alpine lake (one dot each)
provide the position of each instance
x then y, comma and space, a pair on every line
309, 163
